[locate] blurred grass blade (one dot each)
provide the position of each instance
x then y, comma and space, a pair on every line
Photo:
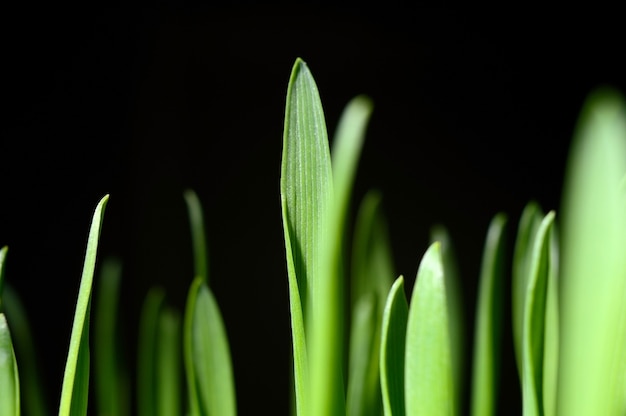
392, 349
527, 229
9, 379
429, 388
488, 327
593, 281
112, 382
168, 364
456, 323
210, 360
306, 192
535, 312
146, 352
198, 238
75, 390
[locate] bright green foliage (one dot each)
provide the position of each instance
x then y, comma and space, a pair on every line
392, 349
75, 389
9, 378
168, 364
593, 275
489, 310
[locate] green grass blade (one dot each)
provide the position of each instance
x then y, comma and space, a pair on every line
534, 321
429, 387
393, 339
111, 379
3, 255
210, 360
522, 253
9, 379
487, 333
306, 192
593, 279
74, 393
198, 238
168, 364
551, 333
455, 306
146, 352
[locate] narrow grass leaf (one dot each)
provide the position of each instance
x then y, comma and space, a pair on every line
168, 364
428, 383
551, 332
522, 254
3, 255
393, 339
112, 382
198, 238
306, 192
593, 279
488, 326
146, 352
9, 378
75, 389
210, 354
534, 321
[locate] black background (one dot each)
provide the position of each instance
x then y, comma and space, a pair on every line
473, 115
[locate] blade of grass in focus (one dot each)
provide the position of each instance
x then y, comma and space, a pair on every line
75, 390
428, 383
9, 378
488, 327
393, 339
593, 279
111, 379
168, 364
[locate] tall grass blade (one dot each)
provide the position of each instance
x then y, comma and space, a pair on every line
210, 360
3, 255
168, 364
9, 378
488, 327
112, 381
428, 383
198, 238
393, 339
593, 279
552, 331
75, 390
535, 315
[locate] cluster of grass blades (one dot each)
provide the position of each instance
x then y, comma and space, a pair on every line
394, 355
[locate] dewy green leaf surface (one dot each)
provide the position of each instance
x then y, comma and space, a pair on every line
9, 379
74, 393
428, 383
488, 327
593, 278
393, 339
527, 229
210, 354
112, 382
168, 364
534, 321
198, 238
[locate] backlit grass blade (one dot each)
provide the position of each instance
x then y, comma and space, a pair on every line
593, 279
198, 238
146, 352
9, 378
534, 321
74, 393
526, 231
210, 360
428, 383
168, 364
393, 339
488, 326
306, 193
112, 383
455, 306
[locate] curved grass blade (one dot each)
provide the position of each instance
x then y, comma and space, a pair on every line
199, 245
428, 383
306, 192
526, 232
393, 339
535, 315
112, 383
168, 364
593, 280
9, 378
74, 393
146, 352
210, 360
488, 325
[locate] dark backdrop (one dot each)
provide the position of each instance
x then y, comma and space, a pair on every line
473, 115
